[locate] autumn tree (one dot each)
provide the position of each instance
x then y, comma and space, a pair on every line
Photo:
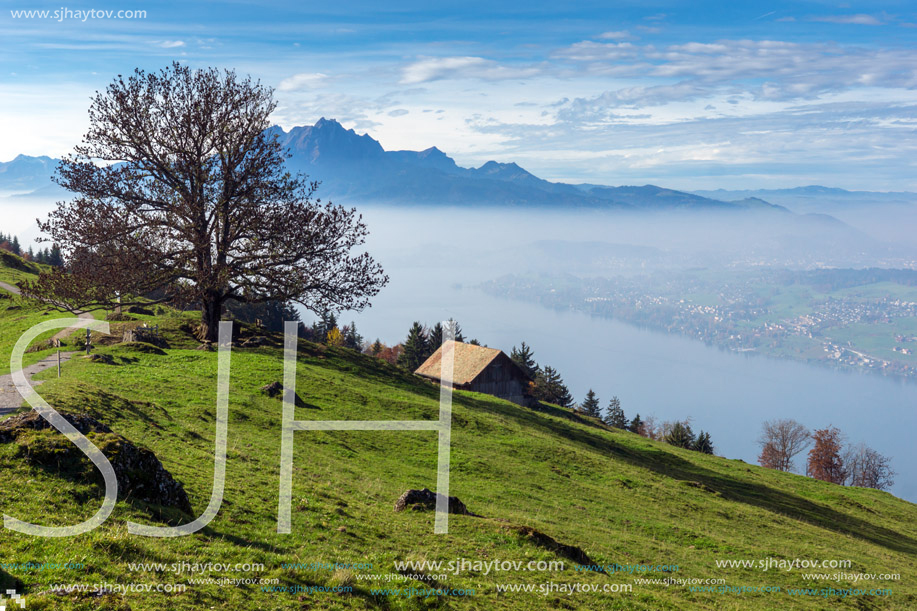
781, 440
825, 462
591, 405
179, 188
867, 468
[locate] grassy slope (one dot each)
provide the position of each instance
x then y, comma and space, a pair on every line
622, 498
17, 315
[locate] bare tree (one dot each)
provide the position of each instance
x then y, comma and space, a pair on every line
825, 461
781, 440
181, 192
867, 468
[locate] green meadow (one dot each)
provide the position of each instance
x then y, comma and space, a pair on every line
533, 476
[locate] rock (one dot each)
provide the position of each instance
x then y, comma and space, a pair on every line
139, 472
424, 500
205, 346
142, 347
101, 358
147, 335
570, 552
273, 389
255, 342
10, 427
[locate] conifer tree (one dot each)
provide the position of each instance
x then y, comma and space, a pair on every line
14, 244
591, 405
54, 256
703, 443
614, 415
680, 435
524, 357
415, 347
550, 387
635, 425
434, 339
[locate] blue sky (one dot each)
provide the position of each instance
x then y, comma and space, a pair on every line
686, 95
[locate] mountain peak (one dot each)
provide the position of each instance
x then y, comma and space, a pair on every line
329, 140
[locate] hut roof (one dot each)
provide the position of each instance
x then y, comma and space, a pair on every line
470, 361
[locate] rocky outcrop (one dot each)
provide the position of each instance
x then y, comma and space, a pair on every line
139, 472
425, 500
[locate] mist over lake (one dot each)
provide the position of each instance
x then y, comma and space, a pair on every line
436, 258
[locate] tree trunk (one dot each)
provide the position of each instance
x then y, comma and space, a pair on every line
211, 311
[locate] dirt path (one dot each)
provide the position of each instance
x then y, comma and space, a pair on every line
10, 399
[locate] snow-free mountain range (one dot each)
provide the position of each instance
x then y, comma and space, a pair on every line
355, 169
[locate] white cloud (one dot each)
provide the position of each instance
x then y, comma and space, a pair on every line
438, 68
172, 44
305, 80
859, 19
617, 35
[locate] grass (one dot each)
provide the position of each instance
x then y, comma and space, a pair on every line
621, 498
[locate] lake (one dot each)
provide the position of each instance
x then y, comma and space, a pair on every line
653, 373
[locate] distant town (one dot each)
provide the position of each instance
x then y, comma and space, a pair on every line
851, 319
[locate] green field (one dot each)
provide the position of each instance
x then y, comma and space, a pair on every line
621, 498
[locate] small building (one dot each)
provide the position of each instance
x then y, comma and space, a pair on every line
480, 369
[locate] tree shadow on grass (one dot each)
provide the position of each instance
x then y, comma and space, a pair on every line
671, 465
8, 582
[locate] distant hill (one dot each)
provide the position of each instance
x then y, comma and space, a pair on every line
26, 173
815, 198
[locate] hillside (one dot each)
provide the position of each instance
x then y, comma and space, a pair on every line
621, 498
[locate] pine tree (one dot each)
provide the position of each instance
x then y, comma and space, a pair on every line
459, 337
14, 243
434, 339
614, 415
415, 347
524, 357
591, 405
352, 339
377, 348
635, 425
680, 435
54, 256
703, 443
550, 387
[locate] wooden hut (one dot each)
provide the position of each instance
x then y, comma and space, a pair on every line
480, 369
